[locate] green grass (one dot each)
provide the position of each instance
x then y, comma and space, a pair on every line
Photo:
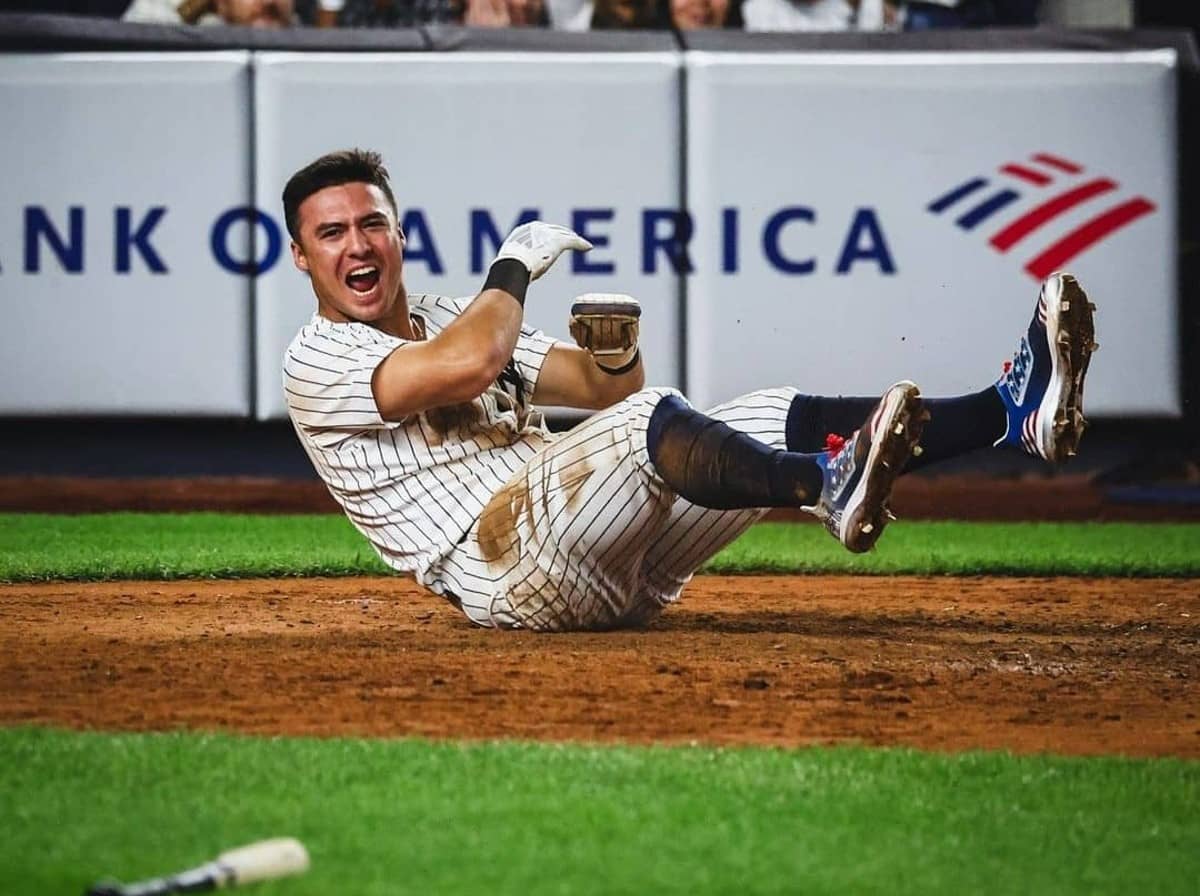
394, 817
206, 545
175, 546
954, 548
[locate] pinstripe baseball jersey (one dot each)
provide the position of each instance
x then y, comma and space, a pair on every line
482, 505
412, 487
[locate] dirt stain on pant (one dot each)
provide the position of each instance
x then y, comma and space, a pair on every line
574, 470
498, 536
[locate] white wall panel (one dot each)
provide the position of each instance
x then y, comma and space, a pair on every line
821, 255
852, 151
569, 135
131, 313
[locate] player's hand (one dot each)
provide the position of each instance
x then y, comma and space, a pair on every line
537, 244
606, 324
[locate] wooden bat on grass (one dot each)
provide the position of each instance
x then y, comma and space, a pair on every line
264, 860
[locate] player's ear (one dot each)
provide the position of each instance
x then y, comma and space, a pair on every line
298, 257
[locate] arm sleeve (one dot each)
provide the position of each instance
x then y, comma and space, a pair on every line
327, 381
530, 354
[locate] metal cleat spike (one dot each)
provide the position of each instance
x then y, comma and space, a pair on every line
1095, 346
891, 516
917, 451
1064, 305
1091, 306
868, 528
898, 429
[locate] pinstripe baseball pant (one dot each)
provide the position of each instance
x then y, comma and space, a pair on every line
587, 536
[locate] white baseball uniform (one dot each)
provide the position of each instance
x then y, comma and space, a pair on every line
483, 505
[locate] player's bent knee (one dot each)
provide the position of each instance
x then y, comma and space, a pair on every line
651, 397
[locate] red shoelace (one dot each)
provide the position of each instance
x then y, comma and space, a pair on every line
834, 444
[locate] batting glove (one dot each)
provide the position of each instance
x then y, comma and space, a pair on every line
606, 324
537, 245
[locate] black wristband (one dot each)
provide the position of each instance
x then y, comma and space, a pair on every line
509, 275
624, 368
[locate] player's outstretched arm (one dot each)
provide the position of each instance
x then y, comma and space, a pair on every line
462, 361
606, 367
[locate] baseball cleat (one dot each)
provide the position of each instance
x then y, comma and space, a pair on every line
1042, 386
859, 471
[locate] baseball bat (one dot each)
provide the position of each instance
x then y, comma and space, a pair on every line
265, 860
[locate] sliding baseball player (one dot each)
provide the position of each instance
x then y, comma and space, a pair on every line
418, 412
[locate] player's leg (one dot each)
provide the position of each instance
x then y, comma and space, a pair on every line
852, 498
1036, 406
715, 465
955, 427
693, 533
560, 546
595, 500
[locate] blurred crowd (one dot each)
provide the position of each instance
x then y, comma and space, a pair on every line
582, 15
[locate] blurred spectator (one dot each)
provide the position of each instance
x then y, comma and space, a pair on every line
687, 15
661, 14
923, 15
569, 15
798, 15
927, 16
253, 13
504, 13
885, 15
393, 13
409, 13
821, 15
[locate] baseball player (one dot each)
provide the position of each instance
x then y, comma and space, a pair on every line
417, 412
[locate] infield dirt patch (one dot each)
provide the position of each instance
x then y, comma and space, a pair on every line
1062, 665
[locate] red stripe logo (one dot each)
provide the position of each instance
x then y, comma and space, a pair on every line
1048, 211
1042, 169
1057, 162
1029, 175
1084, 237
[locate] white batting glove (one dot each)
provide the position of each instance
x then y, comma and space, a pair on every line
537, 245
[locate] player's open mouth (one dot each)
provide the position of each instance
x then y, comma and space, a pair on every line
364, 279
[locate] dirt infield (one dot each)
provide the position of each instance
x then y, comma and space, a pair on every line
1062, 665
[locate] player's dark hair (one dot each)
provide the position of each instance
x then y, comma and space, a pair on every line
347, 166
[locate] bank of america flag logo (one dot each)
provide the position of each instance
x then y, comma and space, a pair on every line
1040, 190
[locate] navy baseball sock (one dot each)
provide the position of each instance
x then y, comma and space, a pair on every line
956, 425
714, 465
